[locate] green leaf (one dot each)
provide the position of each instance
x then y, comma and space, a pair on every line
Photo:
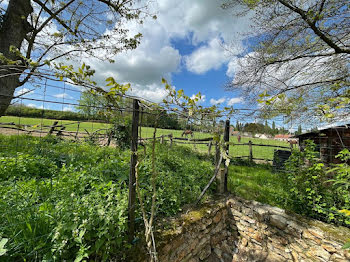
29, 227
346, 246
2, 245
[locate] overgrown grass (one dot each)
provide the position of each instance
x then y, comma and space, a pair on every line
63, 201
258, 182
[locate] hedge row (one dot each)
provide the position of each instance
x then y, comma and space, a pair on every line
26, 111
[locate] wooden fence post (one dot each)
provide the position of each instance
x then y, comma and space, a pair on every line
209, 147
76, 134
53, 127
60, 132
250, 151
133, 161
171, 140
217, 152
162, 139
226, 139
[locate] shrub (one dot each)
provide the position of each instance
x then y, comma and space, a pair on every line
26, 166
71, 200
312, 192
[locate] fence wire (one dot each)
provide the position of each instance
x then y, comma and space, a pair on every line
65, 158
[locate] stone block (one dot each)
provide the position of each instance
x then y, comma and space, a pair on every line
278, 221
205, 252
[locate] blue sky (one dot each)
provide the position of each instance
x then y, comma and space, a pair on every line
185, 44
195, 45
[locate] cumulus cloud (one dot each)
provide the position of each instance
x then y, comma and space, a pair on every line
205, 58
200, 101
153, 92
234, 100
217, 101
68, 109
38, 106
303, 71
203, 23
63, 95
23, 91
32, 105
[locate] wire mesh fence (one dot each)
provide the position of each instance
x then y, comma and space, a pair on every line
65, 165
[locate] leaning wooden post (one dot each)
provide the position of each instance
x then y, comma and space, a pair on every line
250, 151
209, 147
226, 148
60, 132
52, 129
133, 161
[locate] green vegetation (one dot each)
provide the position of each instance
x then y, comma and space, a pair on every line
258, 128
147, 132
318, 190
307, 186
26, 111
258, 182
62, 200
65, 200
71, 125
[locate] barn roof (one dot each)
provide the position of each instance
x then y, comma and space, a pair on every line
345, 126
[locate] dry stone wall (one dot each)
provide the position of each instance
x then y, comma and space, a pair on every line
234, 229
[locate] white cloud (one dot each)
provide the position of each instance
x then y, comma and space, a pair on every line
303, 71
32, 105
234, 100
68, 108
63, 95
154, 92
205, 58
200, 101
232, 67
38, 106
217, 101
203, 23
23, 91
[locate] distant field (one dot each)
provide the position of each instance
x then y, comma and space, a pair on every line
147, 132
235, 151
73, 125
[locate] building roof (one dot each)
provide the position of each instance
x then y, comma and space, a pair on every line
346, 126
283, 136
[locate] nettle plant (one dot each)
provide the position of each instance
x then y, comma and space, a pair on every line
316, 189
116, 97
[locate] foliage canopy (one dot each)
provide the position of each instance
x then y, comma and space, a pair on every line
298, 63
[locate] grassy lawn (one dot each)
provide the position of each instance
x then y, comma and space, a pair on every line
73, 125
258, 183
258, 151
147, 132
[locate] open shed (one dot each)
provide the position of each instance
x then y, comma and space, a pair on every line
329, 141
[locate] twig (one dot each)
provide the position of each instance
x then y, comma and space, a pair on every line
211, 180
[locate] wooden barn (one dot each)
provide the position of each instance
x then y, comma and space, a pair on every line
329, 141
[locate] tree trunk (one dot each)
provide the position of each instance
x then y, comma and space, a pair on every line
13, 30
